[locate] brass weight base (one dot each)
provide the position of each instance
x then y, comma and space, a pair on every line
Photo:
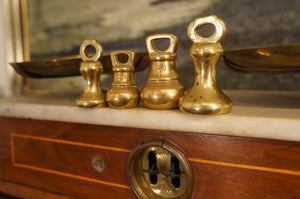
154, 94
123, 97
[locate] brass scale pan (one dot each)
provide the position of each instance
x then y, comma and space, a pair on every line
266, 60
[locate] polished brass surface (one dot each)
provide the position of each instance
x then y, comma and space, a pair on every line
205, 97
91, 70
123, 92
163, 88
158, 170
70, 66
267, 60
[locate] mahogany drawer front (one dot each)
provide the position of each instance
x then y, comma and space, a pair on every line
70, 159
56, 156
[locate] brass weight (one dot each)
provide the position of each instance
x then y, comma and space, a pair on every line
123, 92
163, 88
91, 69
205, 97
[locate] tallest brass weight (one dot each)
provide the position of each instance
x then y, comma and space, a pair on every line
205, 97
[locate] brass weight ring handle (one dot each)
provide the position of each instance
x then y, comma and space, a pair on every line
117, 62
172, 47
96, 45
220, 29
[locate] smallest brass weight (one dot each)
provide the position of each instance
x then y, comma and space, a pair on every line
123, 92
91, 69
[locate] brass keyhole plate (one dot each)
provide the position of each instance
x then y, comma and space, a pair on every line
158, 170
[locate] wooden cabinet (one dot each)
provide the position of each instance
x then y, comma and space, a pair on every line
48, 159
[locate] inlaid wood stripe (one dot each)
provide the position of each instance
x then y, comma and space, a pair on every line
71, 176
71, 143
243, 166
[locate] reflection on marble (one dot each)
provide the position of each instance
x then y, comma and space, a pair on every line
257, 114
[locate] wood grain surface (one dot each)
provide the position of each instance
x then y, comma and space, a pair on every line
56, 156
27, 192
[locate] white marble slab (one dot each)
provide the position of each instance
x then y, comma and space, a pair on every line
257, 114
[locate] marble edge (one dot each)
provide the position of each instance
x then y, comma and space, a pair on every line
171, 120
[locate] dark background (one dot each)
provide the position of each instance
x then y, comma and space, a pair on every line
249, 24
